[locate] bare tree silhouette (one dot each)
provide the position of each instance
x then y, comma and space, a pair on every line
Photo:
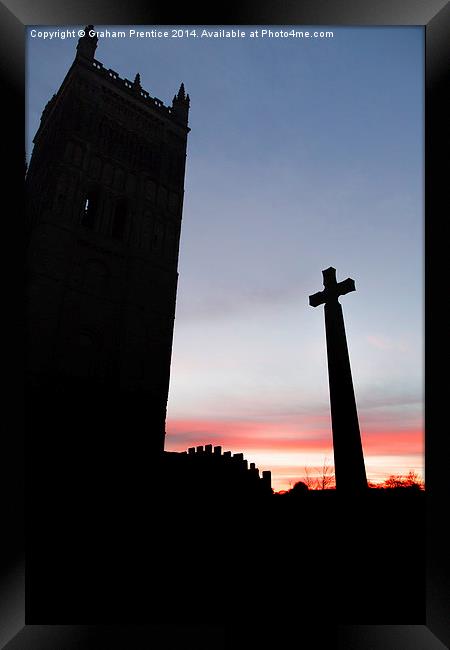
320, 478
411, 480
326, 479
309, 480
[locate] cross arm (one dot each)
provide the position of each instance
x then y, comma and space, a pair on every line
332, 293
346, 286
317, 299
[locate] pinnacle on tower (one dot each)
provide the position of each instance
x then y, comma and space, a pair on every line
181, 96
87, 44
181, 93
180, 105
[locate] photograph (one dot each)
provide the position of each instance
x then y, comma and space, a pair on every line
175, 250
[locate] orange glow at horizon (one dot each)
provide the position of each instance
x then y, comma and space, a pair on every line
286, 451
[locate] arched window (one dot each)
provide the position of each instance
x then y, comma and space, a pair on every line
90, 209
120, 219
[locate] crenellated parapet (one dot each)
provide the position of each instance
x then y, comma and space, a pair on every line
223, 470
134, 89
87, 45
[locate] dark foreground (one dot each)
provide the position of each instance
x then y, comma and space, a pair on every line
116, 556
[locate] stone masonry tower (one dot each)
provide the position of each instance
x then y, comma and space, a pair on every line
104, 195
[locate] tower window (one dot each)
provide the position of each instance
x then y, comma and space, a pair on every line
90, 210
120, 218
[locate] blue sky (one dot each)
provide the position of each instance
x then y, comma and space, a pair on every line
303, 154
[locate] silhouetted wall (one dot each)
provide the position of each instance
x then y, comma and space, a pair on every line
205, 473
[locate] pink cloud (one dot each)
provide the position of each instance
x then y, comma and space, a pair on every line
393, 442
283, 436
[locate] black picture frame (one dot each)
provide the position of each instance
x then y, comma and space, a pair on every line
434, 15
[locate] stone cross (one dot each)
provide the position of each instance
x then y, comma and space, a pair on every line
349, 466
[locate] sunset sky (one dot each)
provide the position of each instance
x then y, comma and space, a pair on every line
303, 154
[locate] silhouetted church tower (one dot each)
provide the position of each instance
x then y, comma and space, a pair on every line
104, 204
